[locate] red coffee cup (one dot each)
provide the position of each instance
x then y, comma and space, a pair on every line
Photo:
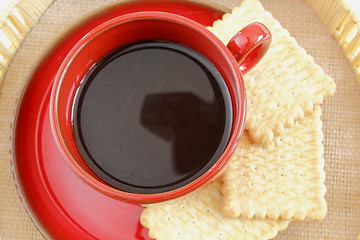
244, 50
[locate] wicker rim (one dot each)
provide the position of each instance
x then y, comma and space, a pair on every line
341, 21
344, 24
15, 26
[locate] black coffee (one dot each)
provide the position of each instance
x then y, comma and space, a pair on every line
152, 116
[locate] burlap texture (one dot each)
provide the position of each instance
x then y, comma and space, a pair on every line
341, 118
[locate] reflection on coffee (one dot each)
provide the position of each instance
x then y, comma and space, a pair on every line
152, 116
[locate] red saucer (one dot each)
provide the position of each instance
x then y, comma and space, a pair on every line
60, 204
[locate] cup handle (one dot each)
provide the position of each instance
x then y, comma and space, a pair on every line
249, 45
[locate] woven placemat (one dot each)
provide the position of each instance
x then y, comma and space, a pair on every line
341, 118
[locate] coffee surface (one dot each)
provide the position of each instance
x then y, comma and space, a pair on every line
152, 116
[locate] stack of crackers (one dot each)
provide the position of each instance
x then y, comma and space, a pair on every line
276, 174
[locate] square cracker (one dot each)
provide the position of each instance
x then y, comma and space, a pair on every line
282, 180
198, 216
285, 85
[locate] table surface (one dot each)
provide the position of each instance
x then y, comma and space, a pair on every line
6, 6
342, 221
